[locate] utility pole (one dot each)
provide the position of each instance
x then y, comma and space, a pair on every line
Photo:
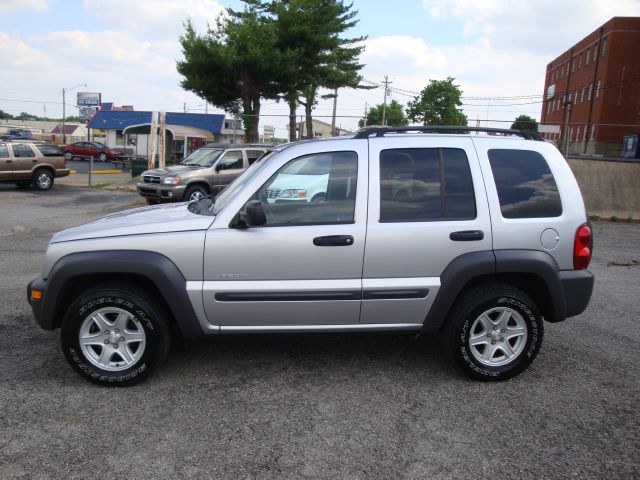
64, 137
333, 118
384, 103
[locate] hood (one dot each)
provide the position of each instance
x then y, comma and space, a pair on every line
145, 220
172, 170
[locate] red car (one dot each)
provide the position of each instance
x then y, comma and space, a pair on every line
87, 149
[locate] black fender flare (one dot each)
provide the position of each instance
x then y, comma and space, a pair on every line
465, 268
154, 267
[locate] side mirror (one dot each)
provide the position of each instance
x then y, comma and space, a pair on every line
251, 216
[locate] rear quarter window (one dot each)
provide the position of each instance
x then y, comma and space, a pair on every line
49, 150
526, 187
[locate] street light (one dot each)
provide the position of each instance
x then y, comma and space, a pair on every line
64, 90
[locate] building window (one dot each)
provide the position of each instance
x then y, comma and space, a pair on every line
578, 129
593, 132
573, 64
590, 91
548, 107
584, 135
569, 98
580, 61
564, 101
604, 47
586, 58
595, 52
561, 71
571, 134
584, 90
598, 89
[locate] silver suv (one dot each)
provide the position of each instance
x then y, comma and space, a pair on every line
419, 229
205, 172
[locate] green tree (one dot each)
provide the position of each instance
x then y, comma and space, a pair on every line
438, 104
233, 65
313, 51
394, 115
525, 122
5, 115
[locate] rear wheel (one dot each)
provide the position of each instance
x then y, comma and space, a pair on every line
115, 337
494, 332
42, 179
102, 157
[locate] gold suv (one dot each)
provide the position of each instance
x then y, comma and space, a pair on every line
30, 163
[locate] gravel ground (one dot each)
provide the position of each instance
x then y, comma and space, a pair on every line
323, 406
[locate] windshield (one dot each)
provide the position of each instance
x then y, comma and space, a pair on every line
203, 157
234, 187
99, 145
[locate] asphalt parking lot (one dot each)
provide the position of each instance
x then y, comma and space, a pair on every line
330, 406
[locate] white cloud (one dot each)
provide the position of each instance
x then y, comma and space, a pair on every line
155, 18
7, 6
544, 25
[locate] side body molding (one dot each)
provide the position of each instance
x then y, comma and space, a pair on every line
154, 267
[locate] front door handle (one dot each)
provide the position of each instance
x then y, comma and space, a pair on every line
467, 235
333, 241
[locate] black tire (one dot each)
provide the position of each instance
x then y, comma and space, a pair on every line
489, 359
194, 191
102, 157
140, 318
23, 184
42, 179
319, 198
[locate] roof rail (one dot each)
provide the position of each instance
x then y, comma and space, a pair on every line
381, 131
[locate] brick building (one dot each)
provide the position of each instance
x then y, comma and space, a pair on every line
592, 91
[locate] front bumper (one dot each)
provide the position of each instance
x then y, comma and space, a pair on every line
161, 192
578, 287
39, 284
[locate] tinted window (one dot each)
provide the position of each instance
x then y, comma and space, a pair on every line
50, 150
253, 155
313, 189
4, 151
230, 161
425, 184
525, 184
21, 150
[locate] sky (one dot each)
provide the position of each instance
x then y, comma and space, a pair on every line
127, 50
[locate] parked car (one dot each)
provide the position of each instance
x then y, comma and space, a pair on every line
206, 171
304, 181
476, 237
17, 134
98, 150
29, 163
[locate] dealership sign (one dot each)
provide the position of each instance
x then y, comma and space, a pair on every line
87, 99
87, 112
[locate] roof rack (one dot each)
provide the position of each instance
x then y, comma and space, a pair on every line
381, 131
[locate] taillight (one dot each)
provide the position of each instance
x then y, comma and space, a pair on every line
582, 247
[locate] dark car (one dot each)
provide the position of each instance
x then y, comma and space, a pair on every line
17, 134
97, 150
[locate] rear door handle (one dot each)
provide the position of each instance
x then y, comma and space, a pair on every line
333, 241
467, 235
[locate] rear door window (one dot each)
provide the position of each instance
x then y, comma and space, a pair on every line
50, 150
425, 184
4, 151
253, 155
526, 187
22, 150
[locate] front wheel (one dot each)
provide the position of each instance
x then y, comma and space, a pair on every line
115, 337
494, 332
102, 157
195, 193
